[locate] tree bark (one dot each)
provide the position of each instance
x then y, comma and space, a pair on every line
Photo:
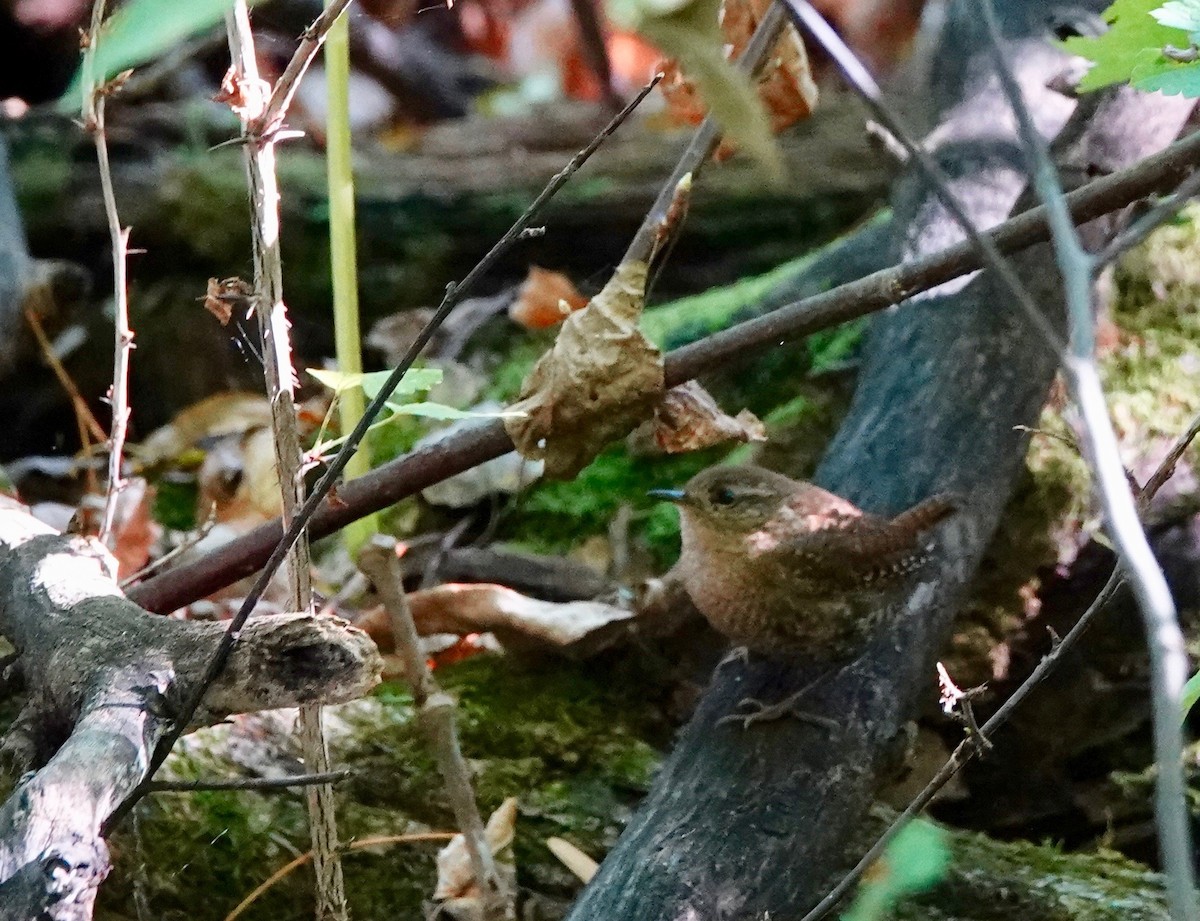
757, 823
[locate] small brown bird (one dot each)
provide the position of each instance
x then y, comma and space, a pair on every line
791, 571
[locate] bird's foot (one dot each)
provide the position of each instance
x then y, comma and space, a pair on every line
759, 712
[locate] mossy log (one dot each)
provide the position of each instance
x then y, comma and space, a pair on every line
760, 822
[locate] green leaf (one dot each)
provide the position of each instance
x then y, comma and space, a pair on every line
140, 31
1191, 694
689, 31
442, 411
414, 381
1168, 77
915, 860
1132, 33
1180, 14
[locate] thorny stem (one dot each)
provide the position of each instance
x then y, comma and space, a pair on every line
118, 394
379, 488
864, 85
311, 40
435, 710
1168, 660
280, 382
969, 748
293, 530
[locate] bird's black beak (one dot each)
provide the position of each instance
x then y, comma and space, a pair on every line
668, 495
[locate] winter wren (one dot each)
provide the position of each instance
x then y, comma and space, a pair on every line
789, 570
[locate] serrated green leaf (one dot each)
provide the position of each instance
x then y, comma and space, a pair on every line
1191, 694
690, 32
1180, 14
1168, 77
442, 411
414, 380
1132, 32
140, 31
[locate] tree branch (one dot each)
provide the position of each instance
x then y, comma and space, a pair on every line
410, 474
104, 679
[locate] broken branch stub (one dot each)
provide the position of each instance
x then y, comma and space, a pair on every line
599, 381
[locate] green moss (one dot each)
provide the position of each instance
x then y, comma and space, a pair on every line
573, 746
990, 879
577, 747
556, 516
175, 504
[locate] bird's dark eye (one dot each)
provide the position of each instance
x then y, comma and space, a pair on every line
723, 495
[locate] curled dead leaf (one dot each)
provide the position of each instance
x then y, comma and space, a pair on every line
545, 299
247, 98
688, 419
573, 628
456, 890
222, 296
601, 378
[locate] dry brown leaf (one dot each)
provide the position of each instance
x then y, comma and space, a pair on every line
575, 628
688, 419
545, 299
224, 294
600, 380
456, 892
785, 82
135, 532
231, 412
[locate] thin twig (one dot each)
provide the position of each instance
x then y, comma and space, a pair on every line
186, 544
118, 394
969, 747
700, 148
249, 783
85, 422
1162, 212
864, 85
360, 844
280, 381
400, 478
292, 532
311, 40
1168, 659
435, 710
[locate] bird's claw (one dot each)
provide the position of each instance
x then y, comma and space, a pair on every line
760, 712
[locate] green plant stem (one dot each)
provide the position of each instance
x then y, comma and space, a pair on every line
343, 254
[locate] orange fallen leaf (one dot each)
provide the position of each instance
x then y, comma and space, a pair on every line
785, 82
545, 299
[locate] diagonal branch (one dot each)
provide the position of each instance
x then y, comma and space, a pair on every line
410, 474
1168, 659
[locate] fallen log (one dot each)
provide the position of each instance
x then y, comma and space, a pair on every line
102, 680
